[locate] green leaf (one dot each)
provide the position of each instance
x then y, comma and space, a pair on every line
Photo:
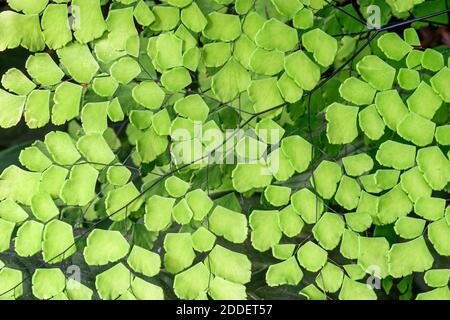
15, 81
61, 147
193, 18
373, 256
393, 46
442, 135
67, 100
286, 272
158, 213
247, 176
34, 159
350, 244
43, 207
11, 211
393, 205
6, 228
222, 27
104, 246
19, 185
203, 240
230, 224
341, 127
290, 91
311, 292
53, 179
215, 54
55, 26
290, 222
376, 72
176, 79
277, 195
386, 179
104, 86
311, 256
298, 151
88, 23
430, 208
416, 129
403, 263
58, 242
414, 183
93, 118
14, 107
266, 62
409, 228
358, 221
435, 167
143, 15
79, 189
321, 45
357, 165
439, 235
150, 145
229, 265
357, 91
29, 238
303, 19
299, 67
112, 283
179, 252
348, 192
326, 178
37, 112
391, 107
230, 81
221, 289
424, 101
10, 283
439, 81
192, 107
275, 35
435, 294
353, 290
265, 95
396, 155
200, 203
432, 60
283, 251
408, 79
166, 18
328, 230
181, 212
308, 205
437, 278
47, 283
125, 70
371, 123
265, 229
77, 291
192, 282
330, 278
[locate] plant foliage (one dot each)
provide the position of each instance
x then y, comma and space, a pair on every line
327, 175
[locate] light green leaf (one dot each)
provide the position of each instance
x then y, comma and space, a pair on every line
282, 273
230, 224
396, 155
104, 246
311, 256
403, 263
328, 230
47, 283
